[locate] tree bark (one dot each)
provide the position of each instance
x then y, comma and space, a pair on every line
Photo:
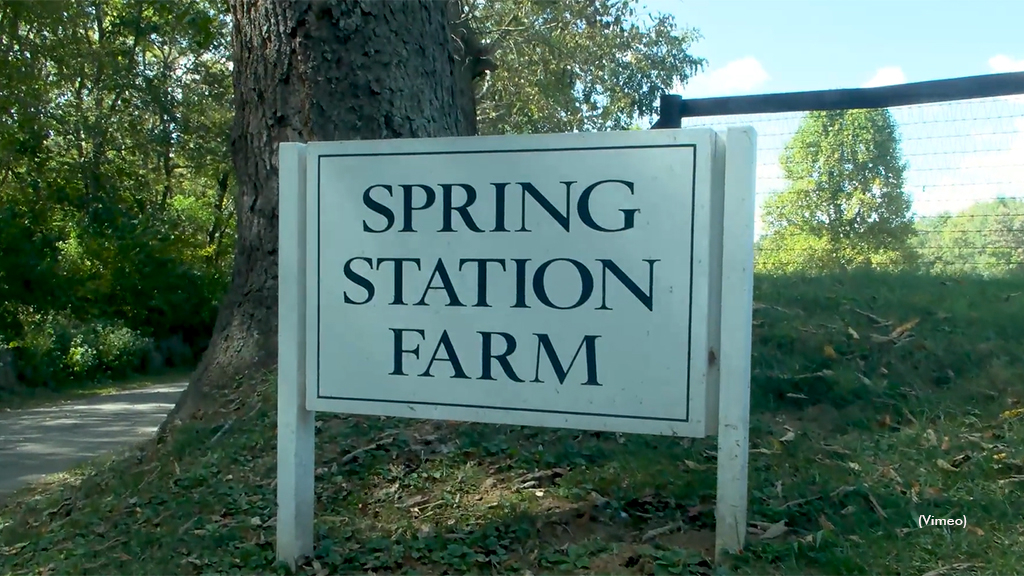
307, 71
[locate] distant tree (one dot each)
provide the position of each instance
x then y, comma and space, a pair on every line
986, 239
845, 206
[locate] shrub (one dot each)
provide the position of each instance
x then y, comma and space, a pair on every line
55, 348
120, 349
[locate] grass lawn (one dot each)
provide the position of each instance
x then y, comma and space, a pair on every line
876, 399
35, 397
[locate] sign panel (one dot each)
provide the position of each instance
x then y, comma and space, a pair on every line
550, 280
573, 280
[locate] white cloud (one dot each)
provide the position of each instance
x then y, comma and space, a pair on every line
1003, 63
886, 76
743, 76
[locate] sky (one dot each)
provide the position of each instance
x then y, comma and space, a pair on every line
958, 153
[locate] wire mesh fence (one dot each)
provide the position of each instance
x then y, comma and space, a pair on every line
964, 177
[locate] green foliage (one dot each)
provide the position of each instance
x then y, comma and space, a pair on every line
927, 422
115, 183
55, 348
986, 239
116, 189
845, 206
577, 65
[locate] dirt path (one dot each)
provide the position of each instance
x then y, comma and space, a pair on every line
41, 441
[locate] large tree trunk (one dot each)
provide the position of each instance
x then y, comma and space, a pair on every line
318, 70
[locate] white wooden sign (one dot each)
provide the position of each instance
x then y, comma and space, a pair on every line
583, 281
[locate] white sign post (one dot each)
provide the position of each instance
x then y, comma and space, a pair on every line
598, 281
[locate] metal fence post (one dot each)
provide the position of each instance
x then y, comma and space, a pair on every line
670, 113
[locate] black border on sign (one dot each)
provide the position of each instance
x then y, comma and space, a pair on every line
689, 328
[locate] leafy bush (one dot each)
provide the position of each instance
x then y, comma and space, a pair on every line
54, 348
120, 349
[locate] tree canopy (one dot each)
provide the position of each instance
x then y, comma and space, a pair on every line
844, 205
115, 187
577, 65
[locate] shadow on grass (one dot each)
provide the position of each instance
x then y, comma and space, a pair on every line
26, 398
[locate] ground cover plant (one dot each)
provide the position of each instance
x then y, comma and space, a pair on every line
877, 398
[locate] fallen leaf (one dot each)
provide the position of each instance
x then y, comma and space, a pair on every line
943, 465
933, 492
950, 568
852, 333
798, 502
960, 460
875, 319
660, 531
819, 374
788, 437
945, 443
930, 439
874, 504
977, 531
904, 328
775, 530
825, 524
1011, 414
841, 490
830, 353
909, 416
412, 501
888, 472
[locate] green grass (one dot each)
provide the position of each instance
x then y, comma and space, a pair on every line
854, 435
23, 398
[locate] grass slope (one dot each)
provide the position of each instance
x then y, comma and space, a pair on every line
876, 399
